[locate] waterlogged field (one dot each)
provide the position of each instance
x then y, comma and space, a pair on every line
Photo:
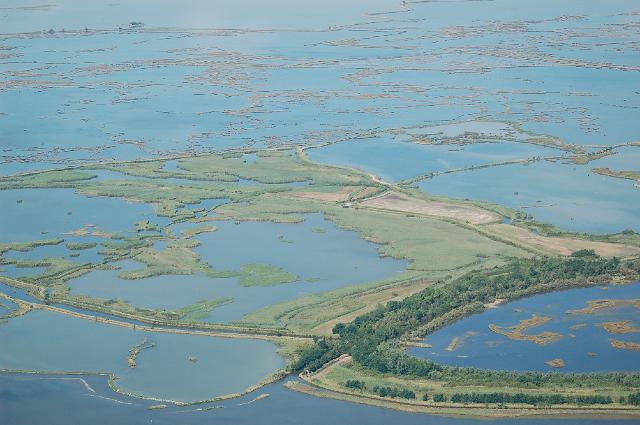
315, 255
529, 334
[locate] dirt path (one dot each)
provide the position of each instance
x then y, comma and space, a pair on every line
322, 373
146, 328
563, 245
396, 201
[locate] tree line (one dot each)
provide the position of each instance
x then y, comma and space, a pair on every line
373, 338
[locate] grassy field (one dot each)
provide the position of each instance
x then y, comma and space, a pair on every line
201, 309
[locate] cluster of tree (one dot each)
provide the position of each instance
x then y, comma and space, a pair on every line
355, 384
387, 391
439, 398
533, 399
314, 356
584, 253
372, 339
394, 392
634, 399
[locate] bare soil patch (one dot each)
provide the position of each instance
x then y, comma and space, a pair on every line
339, 196
564, 245
400, 202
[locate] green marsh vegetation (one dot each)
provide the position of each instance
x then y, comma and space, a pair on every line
27, 246
201, 309
264, 275
178, 258
79, 246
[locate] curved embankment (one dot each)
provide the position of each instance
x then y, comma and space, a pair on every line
213, 328
317, 385
134, 351
452, 409
112, 378
149, 328
22, 307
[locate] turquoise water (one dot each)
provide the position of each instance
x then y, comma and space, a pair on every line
224, 365
69, 14
584, 346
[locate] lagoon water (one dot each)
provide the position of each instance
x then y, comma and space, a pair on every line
584, 346
85, 81
570, 197
321, 255
395, 160
47, 341
37, 214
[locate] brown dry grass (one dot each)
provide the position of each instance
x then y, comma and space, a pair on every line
625, 345
563, 245
339, 196
399, 202
371, 301
621, 327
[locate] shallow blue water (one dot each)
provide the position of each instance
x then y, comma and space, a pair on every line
176, 86
53, 213
480, 347
322, 256
571, 197
223, 365
28, 399
394, 160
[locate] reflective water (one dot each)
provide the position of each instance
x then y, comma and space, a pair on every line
221, 365
200, 76
322, 256
28, 399
583, 344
